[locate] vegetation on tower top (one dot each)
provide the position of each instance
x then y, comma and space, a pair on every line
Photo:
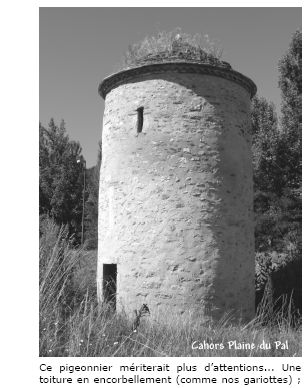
174, 46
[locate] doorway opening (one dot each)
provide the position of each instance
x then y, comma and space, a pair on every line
109, 284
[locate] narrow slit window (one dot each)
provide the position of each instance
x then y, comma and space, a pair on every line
109, 284
140, 121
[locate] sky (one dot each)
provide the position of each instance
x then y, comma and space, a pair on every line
79, 47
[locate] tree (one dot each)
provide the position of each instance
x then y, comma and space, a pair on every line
290, 83
264, 140
289, 153
44, 182
277, 156
60, 183
265, 137
91, 206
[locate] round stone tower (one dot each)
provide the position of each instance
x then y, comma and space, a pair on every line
176, 224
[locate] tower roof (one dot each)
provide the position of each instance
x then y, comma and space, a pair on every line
178, 63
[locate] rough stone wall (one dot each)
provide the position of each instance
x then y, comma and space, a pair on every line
176, 201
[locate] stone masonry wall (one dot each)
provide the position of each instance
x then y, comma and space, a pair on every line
176, 201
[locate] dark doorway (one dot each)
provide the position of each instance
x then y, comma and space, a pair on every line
109, 284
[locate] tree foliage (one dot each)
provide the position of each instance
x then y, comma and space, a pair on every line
277, 156
277, 159
290, 146
60, 180
91, 206
290, 83
265, 139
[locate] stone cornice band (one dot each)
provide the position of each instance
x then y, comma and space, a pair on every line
124, 76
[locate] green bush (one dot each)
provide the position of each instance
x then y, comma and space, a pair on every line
278, 279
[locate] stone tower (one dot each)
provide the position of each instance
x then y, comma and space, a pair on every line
176, 193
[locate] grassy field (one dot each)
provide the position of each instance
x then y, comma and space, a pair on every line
72, 324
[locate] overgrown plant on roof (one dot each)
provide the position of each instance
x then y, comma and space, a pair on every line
173, 44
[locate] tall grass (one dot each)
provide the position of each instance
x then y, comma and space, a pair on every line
72, 324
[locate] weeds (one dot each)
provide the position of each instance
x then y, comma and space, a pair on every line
72, 323
143, 311
197, 47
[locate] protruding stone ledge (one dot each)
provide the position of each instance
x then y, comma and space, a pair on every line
127, 75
